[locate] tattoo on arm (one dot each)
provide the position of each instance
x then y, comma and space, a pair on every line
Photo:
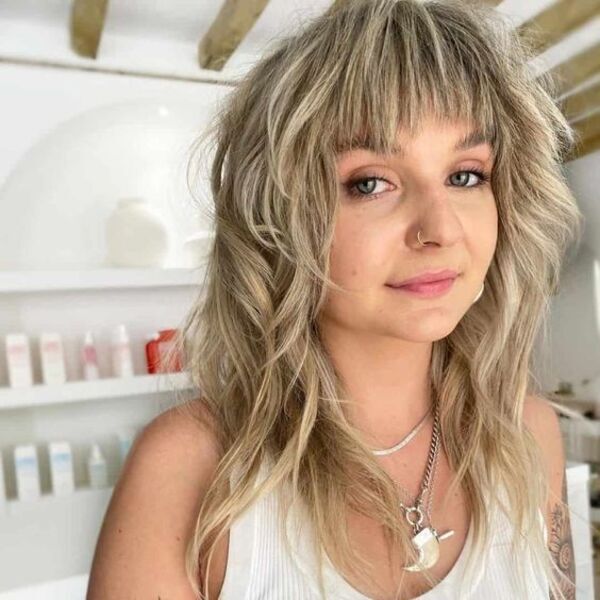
560, 542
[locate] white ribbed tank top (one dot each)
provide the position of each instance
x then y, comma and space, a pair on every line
259, 567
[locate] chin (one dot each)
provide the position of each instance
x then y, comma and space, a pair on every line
424, 331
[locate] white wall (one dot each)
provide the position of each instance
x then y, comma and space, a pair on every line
572, 350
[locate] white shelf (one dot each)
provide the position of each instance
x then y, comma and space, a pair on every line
82, 391
93, 279
46, 501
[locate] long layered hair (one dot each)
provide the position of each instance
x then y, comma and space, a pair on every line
251, 341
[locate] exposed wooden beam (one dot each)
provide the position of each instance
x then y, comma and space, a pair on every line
556, 21
577, 105
590, 146
234, 21
588, 130
577, 69
87, 22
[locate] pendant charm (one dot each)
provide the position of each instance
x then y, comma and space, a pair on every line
427, 543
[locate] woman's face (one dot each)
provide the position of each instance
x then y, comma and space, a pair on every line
383, 203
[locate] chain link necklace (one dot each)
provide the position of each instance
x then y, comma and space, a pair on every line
426, 539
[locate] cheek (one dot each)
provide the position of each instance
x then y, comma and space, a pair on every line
484, 235
356, 254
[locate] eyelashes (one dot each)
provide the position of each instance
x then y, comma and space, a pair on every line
350, 186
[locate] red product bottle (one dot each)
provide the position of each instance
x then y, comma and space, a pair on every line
156, 351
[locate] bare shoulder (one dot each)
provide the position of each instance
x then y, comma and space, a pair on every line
541, 418
152, 512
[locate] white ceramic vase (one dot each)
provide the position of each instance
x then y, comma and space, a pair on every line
136, 235
196, 248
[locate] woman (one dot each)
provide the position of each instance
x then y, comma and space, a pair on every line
382, 440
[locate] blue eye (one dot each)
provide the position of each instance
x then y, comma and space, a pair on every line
352, 186
483, 177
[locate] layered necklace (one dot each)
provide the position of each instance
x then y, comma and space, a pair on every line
426, 539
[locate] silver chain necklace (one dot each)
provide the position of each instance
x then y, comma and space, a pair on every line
426, 539
404, 441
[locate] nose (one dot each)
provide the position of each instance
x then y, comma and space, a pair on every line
436, 217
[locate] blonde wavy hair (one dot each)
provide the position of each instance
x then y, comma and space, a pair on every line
251, 341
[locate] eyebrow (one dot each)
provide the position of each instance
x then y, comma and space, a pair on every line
470, 140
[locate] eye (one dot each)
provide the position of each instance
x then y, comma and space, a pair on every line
483, 178
364, 186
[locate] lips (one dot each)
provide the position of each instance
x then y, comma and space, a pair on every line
427, 277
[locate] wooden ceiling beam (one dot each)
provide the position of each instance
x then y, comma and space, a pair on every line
579, 104
234, 21
87, 22
556, 21
590, 146
588, 130
574, 71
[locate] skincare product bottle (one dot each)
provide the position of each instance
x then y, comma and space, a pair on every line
26, 469
89, 358
122, 363
126, 437
2, 487
157, 352
52, 358
61, 468
96, 464
19, 360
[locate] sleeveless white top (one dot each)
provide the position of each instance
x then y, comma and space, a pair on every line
259, 567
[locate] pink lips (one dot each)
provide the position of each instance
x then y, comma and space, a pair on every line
428, 285
428, 277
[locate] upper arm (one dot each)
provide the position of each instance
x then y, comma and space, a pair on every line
140, 550
543, 422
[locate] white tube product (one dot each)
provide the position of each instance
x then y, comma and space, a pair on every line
52, 358
122, 363
61, 468
26, 469
126, 437
18, 358
96, 464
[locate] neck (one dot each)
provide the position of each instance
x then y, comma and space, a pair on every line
387, 382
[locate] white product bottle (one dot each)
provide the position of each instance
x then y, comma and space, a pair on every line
126, 437
96, 464
61, 468
89, 358
19, 360
26, 469
122, 363
52, 358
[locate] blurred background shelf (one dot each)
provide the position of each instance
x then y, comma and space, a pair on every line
49, 501
93, 279
84, 391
